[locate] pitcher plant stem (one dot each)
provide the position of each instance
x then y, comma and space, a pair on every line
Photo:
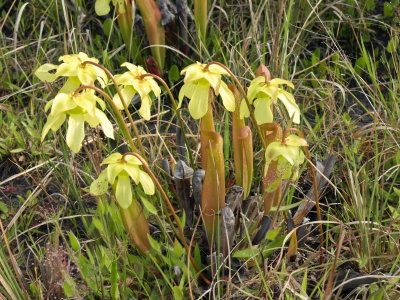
175, 107
135, 130
180, 232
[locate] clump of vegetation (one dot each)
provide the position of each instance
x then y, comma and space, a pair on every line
123, 177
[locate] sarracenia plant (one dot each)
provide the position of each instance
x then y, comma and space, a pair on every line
152, 22
242, 143
282, 157
201, 83
131, 179
77, 101
283, 153
155, 32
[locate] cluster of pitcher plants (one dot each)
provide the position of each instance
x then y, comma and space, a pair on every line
82, 101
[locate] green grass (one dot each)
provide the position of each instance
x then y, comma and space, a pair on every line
65, 243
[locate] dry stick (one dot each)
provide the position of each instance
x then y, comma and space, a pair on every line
135, 130
180, 234
175, 107
241, 89
115, 109
329, 288
314, 180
